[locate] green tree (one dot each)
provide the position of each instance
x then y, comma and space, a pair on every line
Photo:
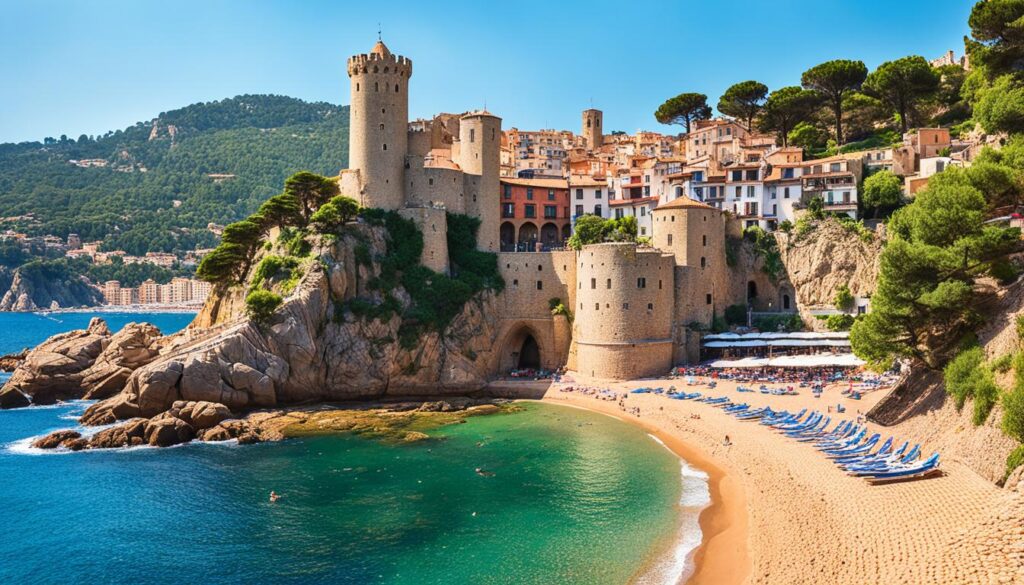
221, 264
260, 305
784, 109
938, 246
743, 101
1001, 107
281, 210
902, 84
816, 207
336, 212
807, 136
684, 109
589, 229
833, 80
310, 190
998, 43
843, 299
882, 190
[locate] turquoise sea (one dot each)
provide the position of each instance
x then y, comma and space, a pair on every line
568, 497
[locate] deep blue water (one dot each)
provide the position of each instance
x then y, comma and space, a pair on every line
575, 497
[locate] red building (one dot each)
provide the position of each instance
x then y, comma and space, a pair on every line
534, 211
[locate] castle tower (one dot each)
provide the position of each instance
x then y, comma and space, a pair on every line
593, 130
479, 157
378, 124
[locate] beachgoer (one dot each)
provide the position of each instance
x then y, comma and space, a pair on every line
273, 496
727, 441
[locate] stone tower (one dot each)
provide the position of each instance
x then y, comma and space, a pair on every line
379, 117
479, 157
592, 128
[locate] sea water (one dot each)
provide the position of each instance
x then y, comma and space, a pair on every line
562, 496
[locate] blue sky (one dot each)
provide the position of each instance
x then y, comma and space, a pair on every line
75, 66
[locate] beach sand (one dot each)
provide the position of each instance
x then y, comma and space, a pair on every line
782, 513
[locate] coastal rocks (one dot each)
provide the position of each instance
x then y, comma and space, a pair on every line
134, 346
11, 361
54, 369
167, 430
90, 363
11, 397
56, 439
34, 286
129, 434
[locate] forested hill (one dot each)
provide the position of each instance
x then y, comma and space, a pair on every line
148, 187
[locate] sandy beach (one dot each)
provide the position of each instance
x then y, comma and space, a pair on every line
782, 513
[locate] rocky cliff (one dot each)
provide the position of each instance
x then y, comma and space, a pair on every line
32, 287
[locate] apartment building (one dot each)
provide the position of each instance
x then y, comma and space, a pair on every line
535, 214
835, 180
588, 195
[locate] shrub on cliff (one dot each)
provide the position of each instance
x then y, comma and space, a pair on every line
260, 305
335, 213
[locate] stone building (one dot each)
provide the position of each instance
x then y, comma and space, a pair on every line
614, 310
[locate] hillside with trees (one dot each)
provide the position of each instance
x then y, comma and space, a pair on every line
155, 186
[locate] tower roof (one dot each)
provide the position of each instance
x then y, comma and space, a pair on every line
380, 49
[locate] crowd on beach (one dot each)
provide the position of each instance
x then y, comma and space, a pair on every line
802, 377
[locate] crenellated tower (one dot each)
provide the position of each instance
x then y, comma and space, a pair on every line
379, 117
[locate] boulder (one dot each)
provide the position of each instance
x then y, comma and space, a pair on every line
134, 346
76, 444
11, 361
11, 397
165, 431
209, 414
56, 439
55, 368
229, 429
123, 435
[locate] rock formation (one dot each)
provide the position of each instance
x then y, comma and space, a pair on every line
32, 287
11, 361
88, 362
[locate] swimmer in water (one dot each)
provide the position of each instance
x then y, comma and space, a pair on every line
484, 473
273, 496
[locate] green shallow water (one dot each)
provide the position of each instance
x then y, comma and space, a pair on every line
575, 497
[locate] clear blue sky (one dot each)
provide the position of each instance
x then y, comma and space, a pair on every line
76, 66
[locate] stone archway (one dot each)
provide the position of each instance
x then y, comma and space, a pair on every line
523, 347
508, 236
528, 234
549, 234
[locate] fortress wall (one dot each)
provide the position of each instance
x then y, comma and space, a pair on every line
532, 279
349, 184
433, 223
433, 186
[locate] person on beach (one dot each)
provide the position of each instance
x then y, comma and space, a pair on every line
727, 441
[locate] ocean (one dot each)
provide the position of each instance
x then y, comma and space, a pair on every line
569, 497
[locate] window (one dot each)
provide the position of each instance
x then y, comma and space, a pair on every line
530, 210
659, 285
738, 192
508, 210
472, 134
579, 193
608, 284
597, 194
550, 211
540, 285
579, 210
835, 167
597, 306
593, 283
737, 175
618, 214
703, 262
625, 306
641, 282
643, 211
750, 190
785, 193
703, 240
551, 194
650, 306
597, 210
515, 282
940, 165
787, 173
385, 147
708, 299
508, 191
773, 194
529, 193
775, 209
699, 192
670, 239
752, 175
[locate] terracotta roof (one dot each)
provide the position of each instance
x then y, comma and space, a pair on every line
635, 201
380, 49
684, 203
578, 181
543, 183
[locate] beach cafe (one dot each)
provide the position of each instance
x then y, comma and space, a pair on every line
801, 349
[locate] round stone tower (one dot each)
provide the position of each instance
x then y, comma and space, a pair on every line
479, 157
592, 128
624, 308
379, 117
